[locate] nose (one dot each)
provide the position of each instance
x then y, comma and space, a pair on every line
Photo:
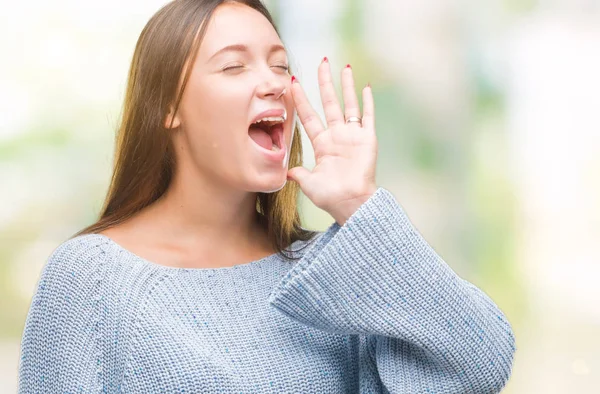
273, 87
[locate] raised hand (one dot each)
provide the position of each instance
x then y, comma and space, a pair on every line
345, 151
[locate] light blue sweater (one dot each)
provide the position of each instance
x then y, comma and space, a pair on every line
370, 308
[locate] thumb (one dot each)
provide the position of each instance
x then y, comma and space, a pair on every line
298, 175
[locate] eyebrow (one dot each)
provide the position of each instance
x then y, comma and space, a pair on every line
244, 48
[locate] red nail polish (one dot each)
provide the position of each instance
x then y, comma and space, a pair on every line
325, 59
348, 66
293, 79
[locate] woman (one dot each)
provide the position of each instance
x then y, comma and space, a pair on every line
183, 284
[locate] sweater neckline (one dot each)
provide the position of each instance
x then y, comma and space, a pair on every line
243, 266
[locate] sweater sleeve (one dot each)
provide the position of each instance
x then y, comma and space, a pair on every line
430, 331
59, 345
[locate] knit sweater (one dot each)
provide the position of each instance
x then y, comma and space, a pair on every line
369, 307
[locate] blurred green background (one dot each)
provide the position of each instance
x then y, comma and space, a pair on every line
488, 127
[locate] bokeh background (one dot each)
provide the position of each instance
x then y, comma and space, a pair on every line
488, 118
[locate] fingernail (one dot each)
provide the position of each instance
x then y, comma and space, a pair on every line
293, 79
325, 59
348, 66
368, 84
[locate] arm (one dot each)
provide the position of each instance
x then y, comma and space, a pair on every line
377, 277
59, 346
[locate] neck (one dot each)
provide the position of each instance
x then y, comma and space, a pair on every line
201, 215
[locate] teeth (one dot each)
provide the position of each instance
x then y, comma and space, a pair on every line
277, 119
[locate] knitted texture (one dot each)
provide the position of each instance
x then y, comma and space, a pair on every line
369, 308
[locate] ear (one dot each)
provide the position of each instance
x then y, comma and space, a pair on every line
169, 117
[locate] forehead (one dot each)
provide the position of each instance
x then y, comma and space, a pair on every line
235, 23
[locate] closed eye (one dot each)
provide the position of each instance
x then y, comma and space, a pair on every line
284, 67
232, 68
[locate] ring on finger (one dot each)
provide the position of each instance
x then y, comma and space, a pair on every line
353, 119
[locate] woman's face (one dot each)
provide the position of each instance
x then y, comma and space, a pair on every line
240, 72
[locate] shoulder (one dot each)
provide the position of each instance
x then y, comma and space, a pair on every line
68, 288
62, 327
92, 266
78, 254
80, 247
73, 270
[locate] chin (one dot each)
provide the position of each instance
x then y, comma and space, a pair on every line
270, 185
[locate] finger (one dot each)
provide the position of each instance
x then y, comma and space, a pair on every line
368, 118
351, 107
306, 113
331, 106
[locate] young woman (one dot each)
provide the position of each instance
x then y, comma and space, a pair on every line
198, 276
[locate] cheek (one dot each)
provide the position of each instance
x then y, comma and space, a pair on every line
217, 114
208, 103
214, 115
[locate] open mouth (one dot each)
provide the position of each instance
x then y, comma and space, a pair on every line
268, 133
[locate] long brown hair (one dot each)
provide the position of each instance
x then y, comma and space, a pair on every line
144, 161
